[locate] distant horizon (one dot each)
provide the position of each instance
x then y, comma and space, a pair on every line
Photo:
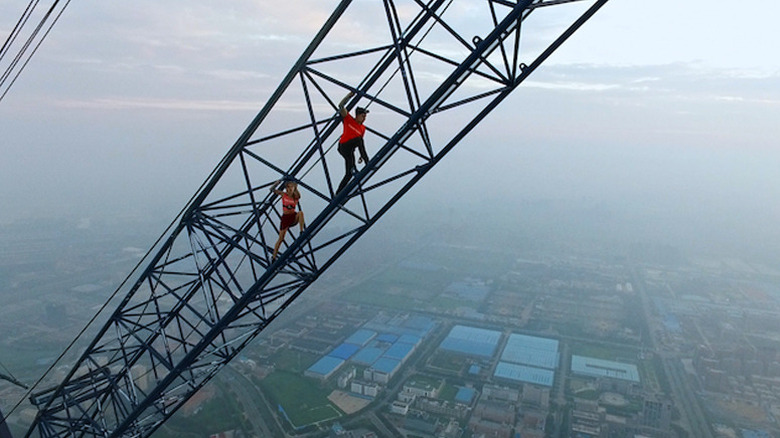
644, 151
142, 107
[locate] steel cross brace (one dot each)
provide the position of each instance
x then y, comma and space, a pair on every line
212, 287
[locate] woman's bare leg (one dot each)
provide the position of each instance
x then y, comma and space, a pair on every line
282, 233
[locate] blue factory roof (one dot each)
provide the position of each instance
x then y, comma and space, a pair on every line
522, 373
416, 325
361, 337
410, 339
399, 351
474, 369
589, 366
387, 337
472, 341
421, 323
465, 395
344, 351
367, 355
534, 342
326, 365
386, 365
530, 350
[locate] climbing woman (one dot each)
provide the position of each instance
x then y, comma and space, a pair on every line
290, 217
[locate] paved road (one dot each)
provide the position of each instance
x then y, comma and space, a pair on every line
242, 386
680, 383
380, 426
558, 394
682, 392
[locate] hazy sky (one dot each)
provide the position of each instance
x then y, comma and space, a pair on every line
128, 105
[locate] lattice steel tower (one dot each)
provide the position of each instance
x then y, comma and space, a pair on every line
430, 71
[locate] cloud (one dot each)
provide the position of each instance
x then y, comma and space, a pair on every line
572, 86
157, 104
681, 79
742, 99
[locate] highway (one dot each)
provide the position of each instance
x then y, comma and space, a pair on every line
558, 394
242, 386
680, 383
683, 395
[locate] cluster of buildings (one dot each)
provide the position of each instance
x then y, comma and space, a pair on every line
370, 357
524, 359
591, 419
512, 398
502, 410
722, 320
589, 301
506, 386
622, 407
742, 371
338, 431
494, 411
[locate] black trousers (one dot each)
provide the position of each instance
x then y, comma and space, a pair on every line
347, 150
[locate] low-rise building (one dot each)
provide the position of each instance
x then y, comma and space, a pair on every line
493, 419
422, 389
536, 395
501, 393
406, 397
438, 407
421, 422
346, 377
399, 407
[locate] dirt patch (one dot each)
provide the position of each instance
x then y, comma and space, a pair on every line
347, 402
203, 395
742, 410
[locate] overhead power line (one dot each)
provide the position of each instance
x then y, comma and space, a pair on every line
25, 39
19, 24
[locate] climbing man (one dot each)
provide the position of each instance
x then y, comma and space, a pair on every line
351, 138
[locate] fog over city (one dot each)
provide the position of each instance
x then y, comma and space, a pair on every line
622, 204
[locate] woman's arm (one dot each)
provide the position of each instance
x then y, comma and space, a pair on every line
342, 110
274, 190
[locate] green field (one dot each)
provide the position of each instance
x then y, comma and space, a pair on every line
603, 352
368, 295
423, 381
448, 393
448, 362
647, 375
446, 303
304, 400
293, 360
221, 413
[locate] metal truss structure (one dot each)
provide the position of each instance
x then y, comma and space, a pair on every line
429, 72
4, 431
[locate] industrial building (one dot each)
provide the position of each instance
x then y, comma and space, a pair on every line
592, 367
529, 359
471, 341
324, 368
382, 353
531, 351
525, 374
